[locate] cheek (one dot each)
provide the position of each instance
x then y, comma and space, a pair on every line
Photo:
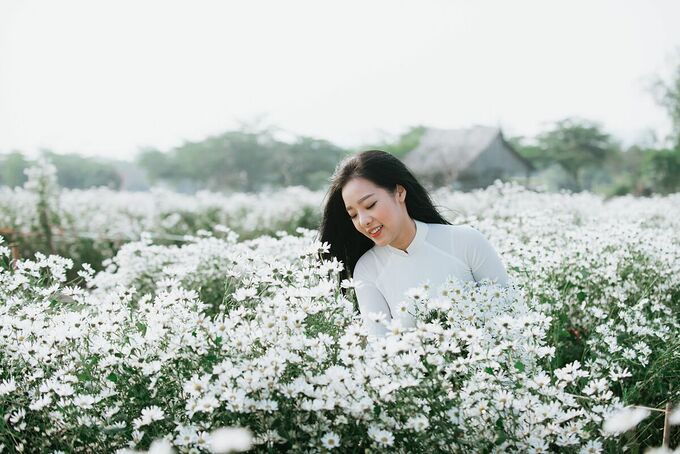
355, 223
385, 212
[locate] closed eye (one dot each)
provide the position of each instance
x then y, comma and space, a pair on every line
371, 206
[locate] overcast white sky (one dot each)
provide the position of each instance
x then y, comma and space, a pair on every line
106, 78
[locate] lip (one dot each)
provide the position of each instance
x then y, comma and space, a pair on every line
378, 233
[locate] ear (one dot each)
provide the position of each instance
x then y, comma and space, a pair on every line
401, 193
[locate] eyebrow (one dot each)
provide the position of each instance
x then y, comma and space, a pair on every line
361, 199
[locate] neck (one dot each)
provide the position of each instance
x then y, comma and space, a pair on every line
408, 233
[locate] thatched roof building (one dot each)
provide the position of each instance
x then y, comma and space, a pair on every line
465, 158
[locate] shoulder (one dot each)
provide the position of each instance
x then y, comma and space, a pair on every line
455, 232
464, 231
451, 229
452, 237
464, 236
367, 265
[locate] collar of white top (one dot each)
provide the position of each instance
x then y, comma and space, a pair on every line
417, 242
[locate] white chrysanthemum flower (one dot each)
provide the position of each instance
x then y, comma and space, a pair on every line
592, 447
331, 440
351, 283
7, 386
207, 404
469, 334
84, 401
376, 317
624, 420
230, 439
418, 423
416, 294
395, 327
150, 414
196, 386
242, 294
40, 403
17, 416
383, 437
674, 418
540, 381
64, 389
186, 435
503, 398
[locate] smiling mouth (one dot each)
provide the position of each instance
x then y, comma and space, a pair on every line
375, 233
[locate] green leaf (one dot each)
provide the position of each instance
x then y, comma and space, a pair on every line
519, 366
502, 436
84, 376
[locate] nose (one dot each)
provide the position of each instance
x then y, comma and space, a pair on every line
365, 219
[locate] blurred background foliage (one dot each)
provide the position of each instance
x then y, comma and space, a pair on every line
573, 153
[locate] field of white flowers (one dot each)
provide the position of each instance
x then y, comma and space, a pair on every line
91, 225
240, 324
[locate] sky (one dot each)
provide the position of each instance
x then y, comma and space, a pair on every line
107, 78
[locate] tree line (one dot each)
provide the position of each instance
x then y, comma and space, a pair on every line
574, 154
243, 160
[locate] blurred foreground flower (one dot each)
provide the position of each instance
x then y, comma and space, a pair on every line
662, 450
231, 439
160, 446
674, 419
624, 420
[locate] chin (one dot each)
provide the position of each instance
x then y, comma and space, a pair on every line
380, 241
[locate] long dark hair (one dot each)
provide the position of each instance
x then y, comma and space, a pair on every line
384, 170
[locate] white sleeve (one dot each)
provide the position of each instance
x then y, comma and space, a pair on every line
482, 258
370, 300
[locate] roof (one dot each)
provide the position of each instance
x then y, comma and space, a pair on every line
449, 150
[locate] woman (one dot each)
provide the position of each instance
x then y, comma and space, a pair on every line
381, 223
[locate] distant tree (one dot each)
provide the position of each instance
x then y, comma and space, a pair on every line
663, 167
254, 158
236, 160
628, 172
210, 163
158, 165
528, 149
244, 160
78, 172
576, 144
402, 144
668, 96
133, 178
308, 162
12, 167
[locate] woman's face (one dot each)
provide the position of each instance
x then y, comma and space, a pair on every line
370, 206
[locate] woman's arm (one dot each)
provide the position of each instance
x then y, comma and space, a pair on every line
482, 258
371, 300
